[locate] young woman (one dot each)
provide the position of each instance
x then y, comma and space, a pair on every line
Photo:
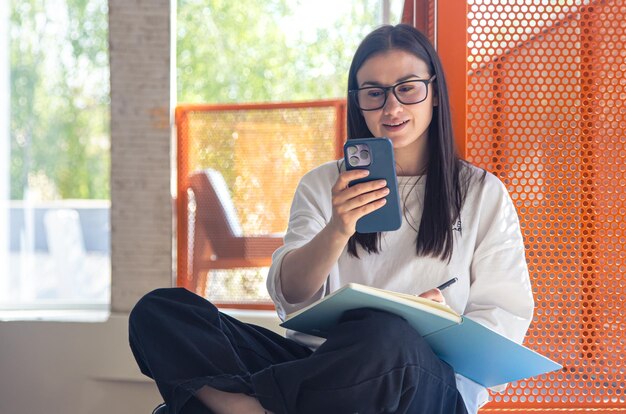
458, 221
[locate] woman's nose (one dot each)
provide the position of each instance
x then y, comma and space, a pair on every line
392, 105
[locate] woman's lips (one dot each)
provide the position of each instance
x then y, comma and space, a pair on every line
395, 126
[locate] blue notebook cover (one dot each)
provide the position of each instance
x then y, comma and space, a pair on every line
473, 350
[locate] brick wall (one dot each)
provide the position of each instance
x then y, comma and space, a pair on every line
141, 206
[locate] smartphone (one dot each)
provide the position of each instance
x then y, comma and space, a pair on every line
375, 155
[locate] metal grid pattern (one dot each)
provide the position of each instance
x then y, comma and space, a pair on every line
261, 151
546, 109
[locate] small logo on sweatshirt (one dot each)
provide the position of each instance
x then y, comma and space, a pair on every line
457, 226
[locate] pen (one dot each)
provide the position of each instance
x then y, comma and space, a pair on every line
446, 284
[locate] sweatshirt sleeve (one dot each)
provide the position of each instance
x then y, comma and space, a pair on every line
310, 212
500, 291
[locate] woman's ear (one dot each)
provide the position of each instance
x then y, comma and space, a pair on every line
435, 98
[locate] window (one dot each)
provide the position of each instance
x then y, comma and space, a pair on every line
272, 54
272, 50
54, 174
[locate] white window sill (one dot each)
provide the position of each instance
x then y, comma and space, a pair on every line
55, 315
265, 318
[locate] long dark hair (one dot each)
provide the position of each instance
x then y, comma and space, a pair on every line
444, 193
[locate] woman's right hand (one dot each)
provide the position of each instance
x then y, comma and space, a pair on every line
305, 269
352, 203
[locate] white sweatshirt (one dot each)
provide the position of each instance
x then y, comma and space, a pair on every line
493, 286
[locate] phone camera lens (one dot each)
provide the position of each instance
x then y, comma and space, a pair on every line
354, 161
352, 150
365, 155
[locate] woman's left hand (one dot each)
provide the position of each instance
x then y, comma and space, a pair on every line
434, 294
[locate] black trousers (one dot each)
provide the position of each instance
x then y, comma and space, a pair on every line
373, 362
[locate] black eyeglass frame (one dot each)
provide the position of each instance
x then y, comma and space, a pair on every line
392, 88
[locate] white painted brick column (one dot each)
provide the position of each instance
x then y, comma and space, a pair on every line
141, 206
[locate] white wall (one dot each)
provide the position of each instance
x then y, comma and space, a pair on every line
60, 367
78, 368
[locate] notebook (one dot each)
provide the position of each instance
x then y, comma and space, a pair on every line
473, 350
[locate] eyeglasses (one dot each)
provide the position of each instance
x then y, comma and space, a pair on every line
408, 92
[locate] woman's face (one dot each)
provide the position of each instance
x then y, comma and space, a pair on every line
405, 125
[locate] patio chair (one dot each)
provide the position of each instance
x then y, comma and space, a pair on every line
216, 240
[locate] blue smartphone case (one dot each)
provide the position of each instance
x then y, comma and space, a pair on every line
382, 165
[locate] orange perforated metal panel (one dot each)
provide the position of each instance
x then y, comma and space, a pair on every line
546, 106
260, 151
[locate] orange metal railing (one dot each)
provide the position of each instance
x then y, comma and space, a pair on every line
261, 151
